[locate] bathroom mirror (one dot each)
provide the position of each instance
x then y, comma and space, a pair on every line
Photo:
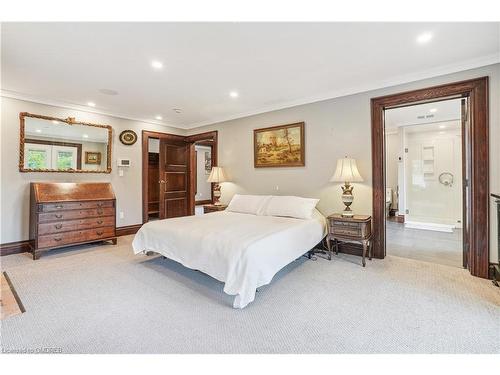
50, 144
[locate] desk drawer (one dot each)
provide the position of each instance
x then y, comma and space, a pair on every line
50, 207
60, 239
76, 214
72, 225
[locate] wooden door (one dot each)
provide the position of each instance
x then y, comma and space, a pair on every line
466, 178
173, 179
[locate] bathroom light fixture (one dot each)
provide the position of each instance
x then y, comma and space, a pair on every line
158, 117
234, 94
156, 64
424, 38
91, 104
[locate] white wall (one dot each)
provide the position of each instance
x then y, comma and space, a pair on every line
203, 188
392, 155
334, 128
14, 204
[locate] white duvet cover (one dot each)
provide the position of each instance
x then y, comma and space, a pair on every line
244, 251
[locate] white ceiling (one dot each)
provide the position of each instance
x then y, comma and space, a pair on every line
420, 114
271, 65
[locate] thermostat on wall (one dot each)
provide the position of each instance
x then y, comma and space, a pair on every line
124, 162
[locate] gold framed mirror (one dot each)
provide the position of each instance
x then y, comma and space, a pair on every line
51, 144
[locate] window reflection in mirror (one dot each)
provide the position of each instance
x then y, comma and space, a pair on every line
53, 144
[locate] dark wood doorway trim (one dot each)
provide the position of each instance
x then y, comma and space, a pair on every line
476, 90
146, 135
205, 139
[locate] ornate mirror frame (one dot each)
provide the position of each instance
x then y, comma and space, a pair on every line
69, 121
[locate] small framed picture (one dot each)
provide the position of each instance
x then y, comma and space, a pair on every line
92, 157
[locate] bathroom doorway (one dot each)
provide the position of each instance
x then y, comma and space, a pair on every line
424, 182
475, 173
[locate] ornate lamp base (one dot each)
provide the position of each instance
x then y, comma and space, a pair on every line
217, 194
347, 199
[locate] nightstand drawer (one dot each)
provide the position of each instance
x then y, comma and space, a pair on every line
354, 232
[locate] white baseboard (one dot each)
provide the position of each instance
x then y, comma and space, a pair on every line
429, 226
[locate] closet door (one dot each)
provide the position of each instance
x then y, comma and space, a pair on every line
173, 179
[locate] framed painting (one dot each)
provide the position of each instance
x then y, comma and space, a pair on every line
92, 157
279, 146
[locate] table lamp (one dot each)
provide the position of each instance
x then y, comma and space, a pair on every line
217, 176
347, 172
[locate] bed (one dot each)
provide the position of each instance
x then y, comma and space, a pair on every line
243, 250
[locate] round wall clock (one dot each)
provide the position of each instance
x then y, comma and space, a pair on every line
128, 137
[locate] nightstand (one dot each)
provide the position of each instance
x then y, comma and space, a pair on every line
357, 228
207, 208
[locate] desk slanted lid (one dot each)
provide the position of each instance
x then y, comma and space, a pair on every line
69, 191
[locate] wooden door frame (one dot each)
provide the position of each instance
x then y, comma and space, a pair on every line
206, 138
476, 90
146, 135
206, 144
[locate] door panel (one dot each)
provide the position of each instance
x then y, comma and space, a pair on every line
466, 172
174, 171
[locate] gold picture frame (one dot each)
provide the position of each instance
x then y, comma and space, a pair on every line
92, 157
279, 146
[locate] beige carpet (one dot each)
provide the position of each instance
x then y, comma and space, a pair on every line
103, 299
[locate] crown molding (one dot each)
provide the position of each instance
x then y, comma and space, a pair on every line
375, 85
80, 108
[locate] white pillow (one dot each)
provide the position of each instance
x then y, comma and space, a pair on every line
248, 204
289, 206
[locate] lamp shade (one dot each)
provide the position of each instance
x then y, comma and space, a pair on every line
217, 175
347, 171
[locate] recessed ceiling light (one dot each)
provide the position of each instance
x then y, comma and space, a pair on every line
433, 110
91, 104
38, 130
234, 94
156, 64
158, 117
424, 38
442, 126
176, 110
85, 135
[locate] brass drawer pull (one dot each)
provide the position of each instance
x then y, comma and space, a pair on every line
58, 226
57, 239
100, 221
59, 206
99, 204
59, 216
99, 212
99, 232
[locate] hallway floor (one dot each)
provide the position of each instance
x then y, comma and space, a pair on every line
426, 245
